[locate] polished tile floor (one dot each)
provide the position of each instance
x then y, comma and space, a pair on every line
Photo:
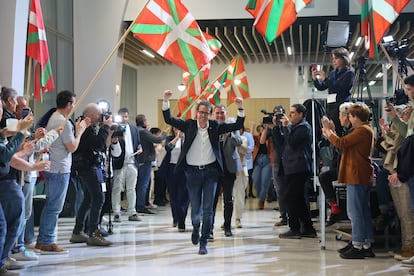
153, 247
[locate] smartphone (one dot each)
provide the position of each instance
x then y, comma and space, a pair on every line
314, 67
388, 103
25, 112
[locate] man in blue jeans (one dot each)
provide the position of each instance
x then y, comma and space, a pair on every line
145, 162
57, 179
202, 161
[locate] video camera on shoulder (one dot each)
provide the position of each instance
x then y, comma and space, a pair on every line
118, 127
278, 112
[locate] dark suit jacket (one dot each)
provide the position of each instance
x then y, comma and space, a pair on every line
119, 161
189, 127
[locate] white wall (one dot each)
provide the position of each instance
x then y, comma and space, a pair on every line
13, 22
96, 29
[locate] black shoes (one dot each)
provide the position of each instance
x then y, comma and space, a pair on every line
147, 211
202, 250
368, 253
309, 234
290, 235
344, 249
353, 253
333, 218
195, 236
228, 233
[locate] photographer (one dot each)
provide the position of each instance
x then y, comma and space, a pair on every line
339, 83
295, 135
91, 153
270, 130
126, 167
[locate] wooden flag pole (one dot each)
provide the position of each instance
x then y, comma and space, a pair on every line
98, 73
29, 79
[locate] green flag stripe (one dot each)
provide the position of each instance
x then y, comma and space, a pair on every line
32, 38
187, 56
150, 29
174, 12
274, 19
46, 73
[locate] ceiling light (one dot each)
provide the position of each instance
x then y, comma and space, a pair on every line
371, 83
379, 75
358, 41
289, 50
388, 66
148, 53
181, 87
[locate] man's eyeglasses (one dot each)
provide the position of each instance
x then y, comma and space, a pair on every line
203, 113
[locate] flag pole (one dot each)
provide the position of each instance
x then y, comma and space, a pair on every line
29, 77
98, 73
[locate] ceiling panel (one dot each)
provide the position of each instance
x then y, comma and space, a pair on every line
305, 37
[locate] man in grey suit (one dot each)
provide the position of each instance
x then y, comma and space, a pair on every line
232, 164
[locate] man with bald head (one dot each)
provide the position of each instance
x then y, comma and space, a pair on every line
90, 153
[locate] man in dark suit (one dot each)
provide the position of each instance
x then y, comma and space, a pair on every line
232, 164
126, 169
202, 161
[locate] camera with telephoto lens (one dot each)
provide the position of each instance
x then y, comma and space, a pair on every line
118, 127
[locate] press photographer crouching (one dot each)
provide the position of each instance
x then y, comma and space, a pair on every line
89, 160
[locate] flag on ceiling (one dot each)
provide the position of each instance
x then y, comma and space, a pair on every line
38, 50
238, 79
273, 17
376, 17
168, 28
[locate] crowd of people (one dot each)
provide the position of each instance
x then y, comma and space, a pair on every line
278, 157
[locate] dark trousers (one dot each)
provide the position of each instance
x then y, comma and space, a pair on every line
298, 210
281, 190
12, 204
93, 199
332, 110
326, 179
225, 184
159, 188
179, 199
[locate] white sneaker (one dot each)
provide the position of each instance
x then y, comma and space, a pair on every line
409, 262
238, 223
12, 264
24, 255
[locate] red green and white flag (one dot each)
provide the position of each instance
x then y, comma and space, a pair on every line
197, 83
168, 28
216, 88
38, 50
273, 17
376, 17
186, 107
237, 76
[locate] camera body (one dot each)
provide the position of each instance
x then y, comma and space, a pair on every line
279, 112
119, 130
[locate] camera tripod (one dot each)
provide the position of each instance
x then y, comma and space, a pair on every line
361, 84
